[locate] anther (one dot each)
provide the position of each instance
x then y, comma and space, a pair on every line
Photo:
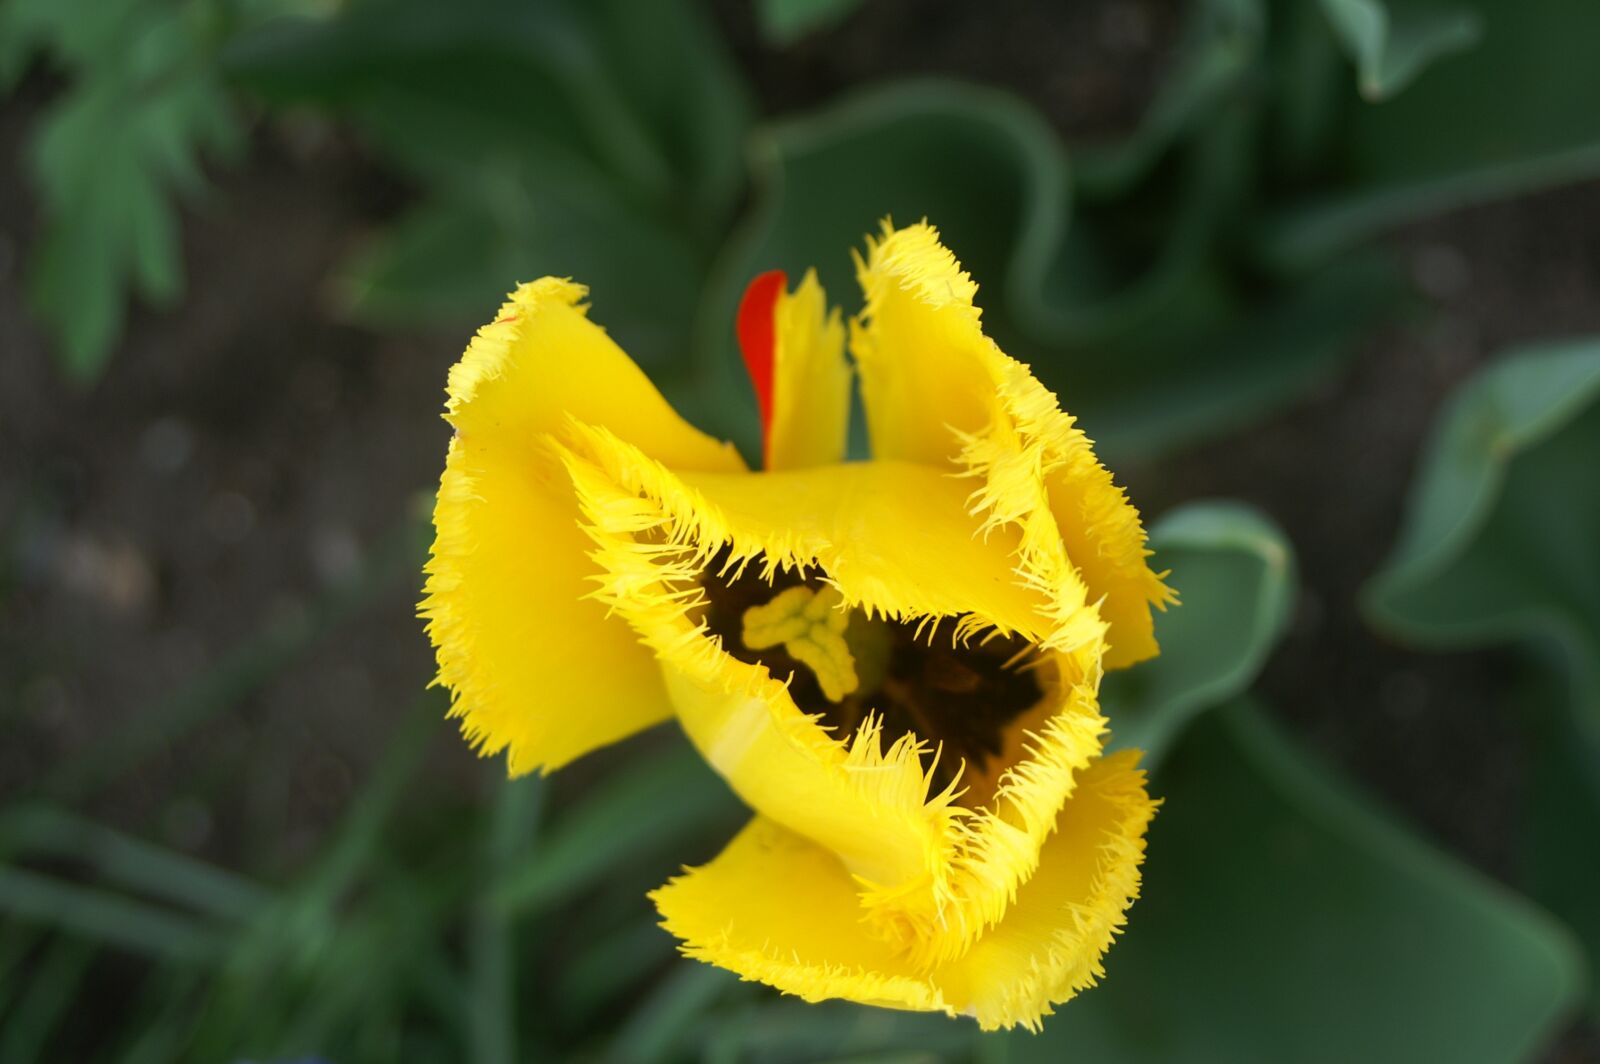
811, 626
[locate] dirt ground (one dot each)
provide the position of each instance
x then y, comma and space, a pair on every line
246, 451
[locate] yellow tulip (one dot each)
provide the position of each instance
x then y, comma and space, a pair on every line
895, 663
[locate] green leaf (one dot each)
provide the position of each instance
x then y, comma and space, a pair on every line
1166, 387
1392, 41
1510, 116
144, 105
490, 947
611, 964
453, 258
785, 1030
1284, 918
661, 1021
165, 1014
103, 915
1234, 571
594, 140
670, 798
130, 862
1499, 538
1132, 312
17, 942
785, 21
609, 107
1212, 66
1560, 823
976, 162
1499, 546
54, 986
26, 28
445, 260
313, 959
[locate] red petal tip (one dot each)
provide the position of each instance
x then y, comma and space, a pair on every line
756, 327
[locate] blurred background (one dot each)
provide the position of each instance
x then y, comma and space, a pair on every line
1322, 277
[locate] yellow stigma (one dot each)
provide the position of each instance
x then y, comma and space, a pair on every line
810, 625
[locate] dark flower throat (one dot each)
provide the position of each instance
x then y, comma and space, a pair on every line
963, 696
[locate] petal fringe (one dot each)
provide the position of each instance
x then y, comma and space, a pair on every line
777, 908
1052, 942
811, 381
933, 874
518, 645
938, 390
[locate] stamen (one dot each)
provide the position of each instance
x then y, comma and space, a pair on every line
810, 625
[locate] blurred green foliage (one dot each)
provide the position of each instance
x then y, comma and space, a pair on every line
146, 101
1502, 544
1237, 574
785, 21
1328, 934
1454, 137
1502, 529
594, 140
1390, 44
1176, 281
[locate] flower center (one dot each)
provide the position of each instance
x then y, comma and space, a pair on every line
843, 665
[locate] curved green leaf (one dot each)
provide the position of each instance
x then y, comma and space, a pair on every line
1392, 41
110, 157
785, 21
1500, 533
1135, 319
975, 161
103, 915
1500, 545
491, 942
1234, 571
642, 98
45, 830
617, 821
452, 258
1284, 918
595, 140
1212, 65
1513, 114
663, 1018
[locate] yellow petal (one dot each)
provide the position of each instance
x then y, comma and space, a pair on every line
655, 534
533, 667
811, 381
938, 391
776, 908
893, 539
1052, 940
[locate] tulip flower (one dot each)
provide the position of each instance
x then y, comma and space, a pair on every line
895, 662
